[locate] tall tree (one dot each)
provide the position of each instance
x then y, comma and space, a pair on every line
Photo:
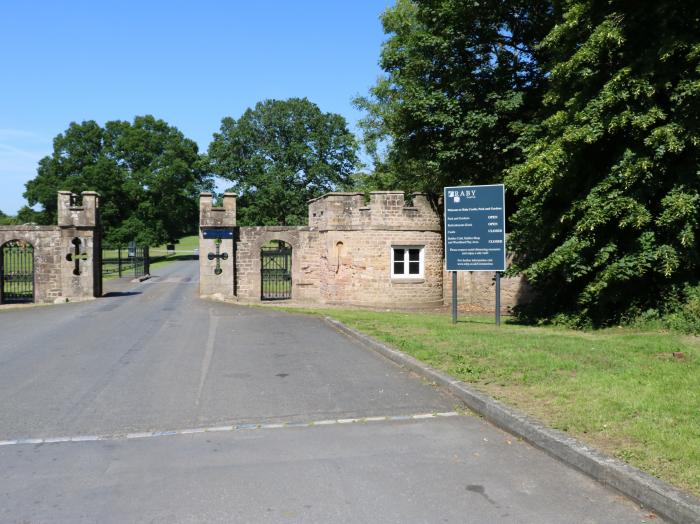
280, 155
608, 225
147, 172
461, 77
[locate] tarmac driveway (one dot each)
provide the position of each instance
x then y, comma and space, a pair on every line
150, 405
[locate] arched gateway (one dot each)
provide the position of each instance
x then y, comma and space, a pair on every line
16, 272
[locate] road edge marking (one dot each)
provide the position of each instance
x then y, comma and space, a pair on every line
231, 428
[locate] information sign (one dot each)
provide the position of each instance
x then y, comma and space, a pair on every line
475, 228
217, 233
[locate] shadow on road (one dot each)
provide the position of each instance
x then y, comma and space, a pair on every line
112, 294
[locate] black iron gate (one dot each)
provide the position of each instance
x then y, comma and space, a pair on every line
16, 272
276, 272
139, 257
119, 261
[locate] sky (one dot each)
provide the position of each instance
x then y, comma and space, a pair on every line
188, 63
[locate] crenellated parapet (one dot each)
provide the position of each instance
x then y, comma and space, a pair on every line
78, 211
385, 210
210, 216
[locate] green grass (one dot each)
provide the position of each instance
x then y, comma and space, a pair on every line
619, 389
185, 244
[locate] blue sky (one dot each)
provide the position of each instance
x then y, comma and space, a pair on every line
189, 63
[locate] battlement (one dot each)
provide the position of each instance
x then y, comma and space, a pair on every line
385, 210
78, 210
210, 216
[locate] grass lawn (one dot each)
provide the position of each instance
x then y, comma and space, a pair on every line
621, 390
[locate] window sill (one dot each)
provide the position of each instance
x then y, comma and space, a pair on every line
399, 280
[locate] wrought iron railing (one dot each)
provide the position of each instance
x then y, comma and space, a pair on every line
122, 261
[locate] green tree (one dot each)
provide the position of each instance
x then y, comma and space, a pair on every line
610, 184
461, 77
281, 154
147, 173
7, 220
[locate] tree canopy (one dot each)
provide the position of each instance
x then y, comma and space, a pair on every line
281, 154
147, 173
610, 181
460, 78
587, 110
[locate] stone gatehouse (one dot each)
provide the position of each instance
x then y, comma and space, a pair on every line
46, 264
383, 252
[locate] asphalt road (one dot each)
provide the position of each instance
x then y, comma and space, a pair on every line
150, 405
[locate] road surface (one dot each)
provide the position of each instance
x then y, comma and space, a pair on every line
151, 405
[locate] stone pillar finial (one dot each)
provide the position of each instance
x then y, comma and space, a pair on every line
229, 204
63, 206
91, 204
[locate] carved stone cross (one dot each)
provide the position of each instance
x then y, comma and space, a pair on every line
218, 256
77, 256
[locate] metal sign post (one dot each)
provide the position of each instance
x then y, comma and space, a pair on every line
475, 234
454, 297
498, 298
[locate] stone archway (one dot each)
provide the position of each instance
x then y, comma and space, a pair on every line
253, 240
16, 272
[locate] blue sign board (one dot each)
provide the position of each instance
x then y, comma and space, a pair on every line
217, 233
475, 228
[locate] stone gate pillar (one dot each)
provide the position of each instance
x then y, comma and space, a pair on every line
217, 258
80, 244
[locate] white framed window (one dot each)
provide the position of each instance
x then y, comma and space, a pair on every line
407, 261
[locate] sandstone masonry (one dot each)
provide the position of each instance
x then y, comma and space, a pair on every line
55, 278
377, 253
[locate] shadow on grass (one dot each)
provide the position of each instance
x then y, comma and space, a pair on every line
484, 319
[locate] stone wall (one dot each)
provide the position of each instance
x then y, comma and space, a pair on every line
46, 240
476, 291
305, 261
385, 210
355, 269
344, 255
356, 239
55, 277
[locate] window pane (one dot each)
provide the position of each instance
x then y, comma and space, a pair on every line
399, 254
414, 255
398, 268
414, 268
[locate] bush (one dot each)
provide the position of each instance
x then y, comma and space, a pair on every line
686, 318
681, 313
